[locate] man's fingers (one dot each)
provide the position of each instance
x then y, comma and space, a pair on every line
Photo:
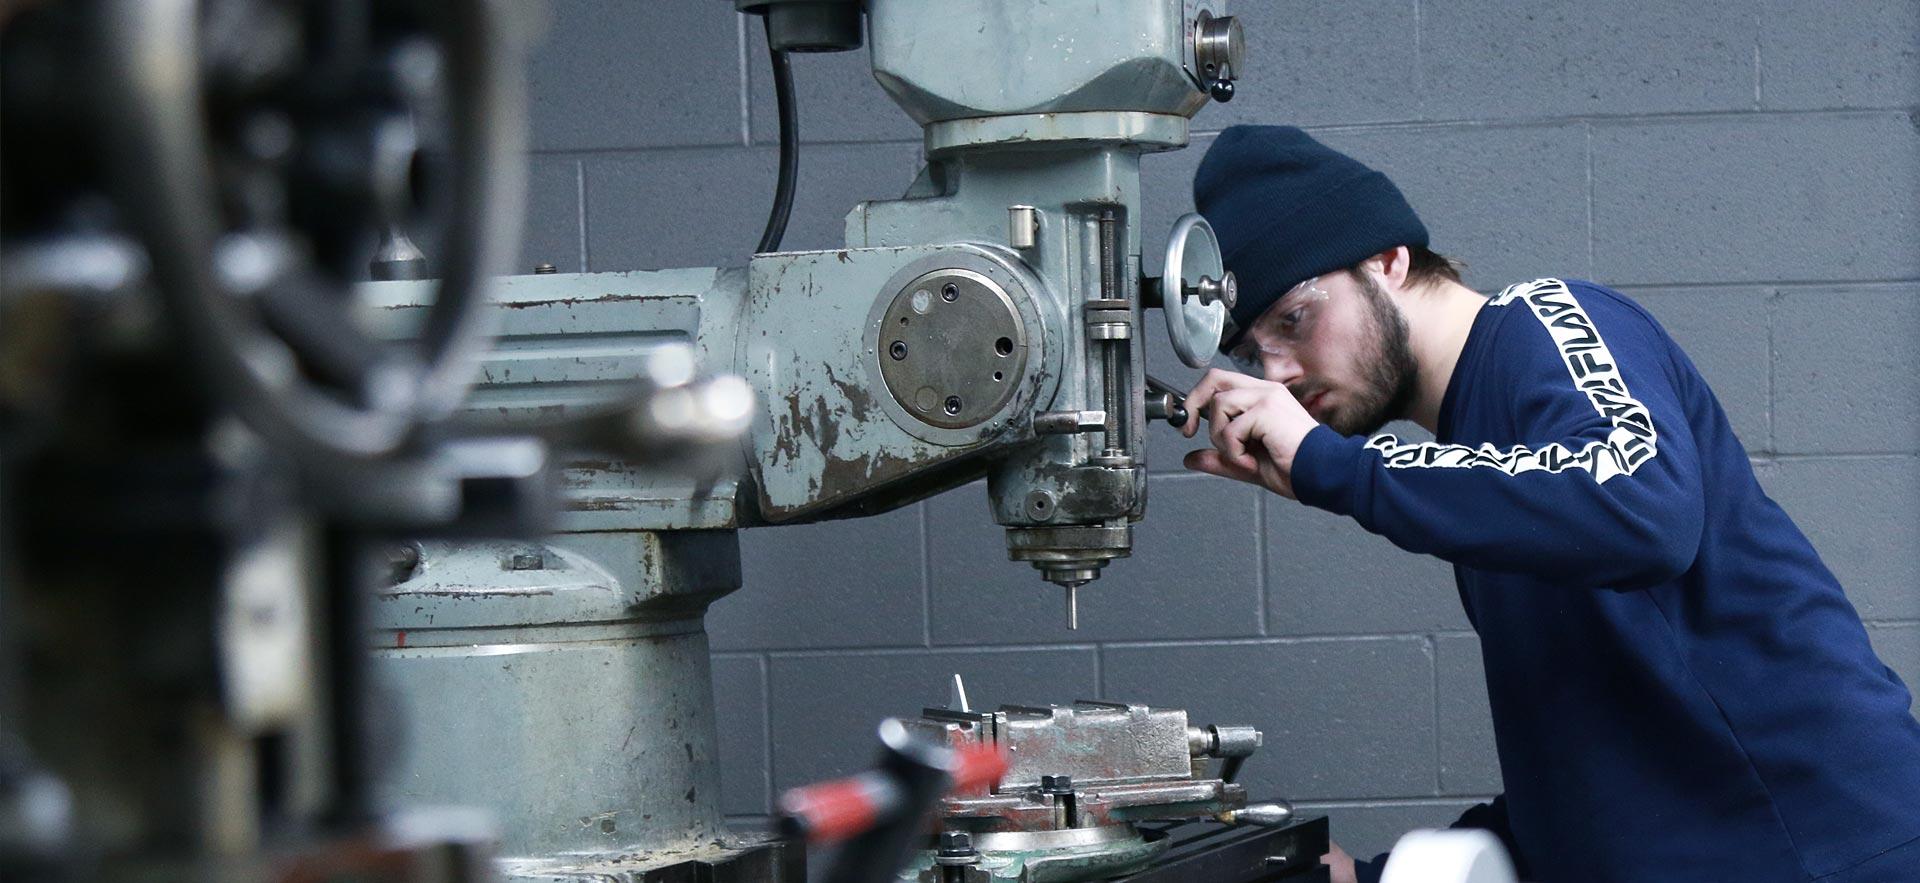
1228, 406
1204, 391
1210, 462
1234, 438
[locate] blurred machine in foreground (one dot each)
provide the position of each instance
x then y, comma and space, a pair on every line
207, 453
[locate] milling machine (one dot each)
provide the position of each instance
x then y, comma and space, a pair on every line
986, 324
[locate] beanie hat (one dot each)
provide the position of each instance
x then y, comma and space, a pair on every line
1287, 208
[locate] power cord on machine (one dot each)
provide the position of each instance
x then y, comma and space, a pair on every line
789, 147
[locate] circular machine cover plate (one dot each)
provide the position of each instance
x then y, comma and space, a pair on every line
1192, 253
953, 348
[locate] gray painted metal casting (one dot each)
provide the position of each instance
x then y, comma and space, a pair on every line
574, 697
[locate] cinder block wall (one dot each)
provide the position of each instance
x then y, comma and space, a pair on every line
1749, 169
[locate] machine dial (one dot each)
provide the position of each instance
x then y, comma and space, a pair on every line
1196, 291
1219, 51
953, 349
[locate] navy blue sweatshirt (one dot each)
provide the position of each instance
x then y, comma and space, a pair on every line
1680, 690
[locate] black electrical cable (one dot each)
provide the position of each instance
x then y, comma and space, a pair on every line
789, 148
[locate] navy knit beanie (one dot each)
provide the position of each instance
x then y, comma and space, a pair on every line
1287, 208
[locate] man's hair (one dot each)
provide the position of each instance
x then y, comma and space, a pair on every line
1425, 267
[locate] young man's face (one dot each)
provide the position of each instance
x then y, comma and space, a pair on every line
1340, 344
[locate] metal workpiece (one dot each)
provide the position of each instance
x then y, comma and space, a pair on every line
1079, 781
1059, 75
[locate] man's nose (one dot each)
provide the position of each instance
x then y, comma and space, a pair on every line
1281, 368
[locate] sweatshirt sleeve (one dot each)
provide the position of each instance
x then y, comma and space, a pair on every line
1605, 487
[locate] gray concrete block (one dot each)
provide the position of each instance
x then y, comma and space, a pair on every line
1862, 516
1511, 201
689, 208
1843, 370
1327, 575
835, 96
1756, 199
1899, 647
1511, 59
740, 709
1365, 830
608, 74
1858, 53
1322, 63
1724, 332
552, 231
1342, 718
1468, 762
825, 707
1194, 572
833, 584
1166, 193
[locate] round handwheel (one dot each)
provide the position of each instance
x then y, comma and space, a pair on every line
255, 177
1195, 290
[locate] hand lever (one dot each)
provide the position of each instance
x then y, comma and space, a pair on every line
1165, 403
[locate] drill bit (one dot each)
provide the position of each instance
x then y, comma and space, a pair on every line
1073, 606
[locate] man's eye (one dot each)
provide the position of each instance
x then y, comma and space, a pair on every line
1292, 317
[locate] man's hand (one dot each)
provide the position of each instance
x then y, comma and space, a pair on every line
1339, 865
1255, 425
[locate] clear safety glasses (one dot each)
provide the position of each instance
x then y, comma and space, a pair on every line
1281, 329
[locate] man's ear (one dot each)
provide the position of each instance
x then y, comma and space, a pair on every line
1392, 266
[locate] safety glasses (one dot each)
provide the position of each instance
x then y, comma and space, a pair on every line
1281, 329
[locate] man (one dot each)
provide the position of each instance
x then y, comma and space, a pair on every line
1680, 690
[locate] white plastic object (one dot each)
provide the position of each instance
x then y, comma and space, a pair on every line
1192, 252
1453, 856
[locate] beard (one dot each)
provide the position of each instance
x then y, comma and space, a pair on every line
1389, 372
